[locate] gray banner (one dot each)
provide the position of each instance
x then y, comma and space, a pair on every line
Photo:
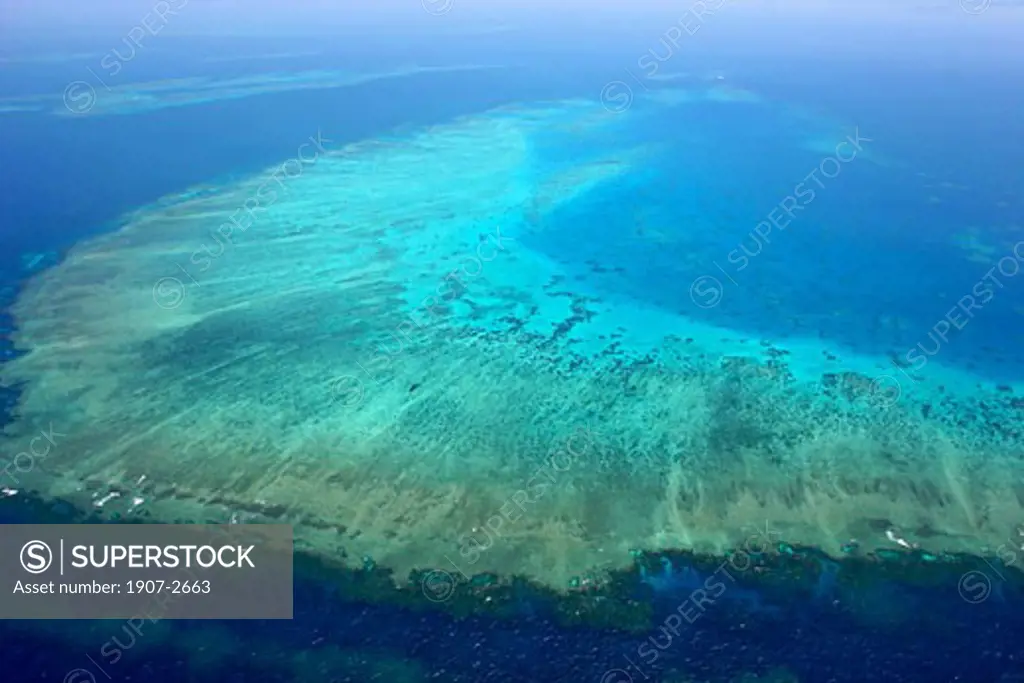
145, 571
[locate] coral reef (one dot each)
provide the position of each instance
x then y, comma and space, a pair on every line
389, 366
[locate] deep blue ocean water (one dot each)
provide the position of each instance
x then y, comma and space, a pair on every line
869, 268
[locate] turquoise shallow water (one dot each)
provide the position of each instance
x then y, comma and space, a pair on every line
868, 264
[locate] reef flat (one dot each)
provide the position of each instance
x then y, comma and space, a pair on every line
366, 343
